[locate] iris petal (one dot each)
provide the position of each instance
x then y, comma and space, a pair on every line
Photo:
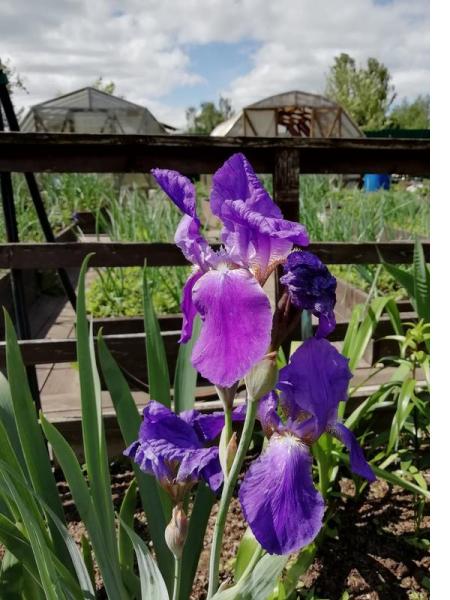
179, 189
188, 308
358, 462
237, 320
315, 381
187, 237
209, 426
311, 287
255, 232
278, 497
170, 448
267, 413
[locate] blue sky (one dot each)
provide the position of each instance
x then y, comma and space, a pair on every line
169, 55
217, 63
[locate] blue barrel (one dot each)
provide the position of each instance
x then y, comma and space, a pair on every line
376, 181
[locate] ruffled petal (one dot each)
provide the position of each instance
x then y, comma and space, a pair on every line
278, 497
315, 381
237, 320
187, 236
188, 308
161, 424
179, 189
358, 462
255, 232
208, 426
201, 464
171, 447
311, 287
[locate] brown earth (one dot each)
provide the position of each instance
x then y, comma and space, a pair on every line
378, 552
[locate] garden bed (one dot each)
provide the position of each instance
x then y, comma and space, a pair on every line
381, 553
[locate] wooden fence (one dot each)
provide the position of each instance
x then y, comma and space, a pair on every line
285, 158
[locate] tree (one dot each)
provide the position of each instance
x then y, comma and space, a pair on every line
365, 93
412, 115
15, 81
103, 86
204, 119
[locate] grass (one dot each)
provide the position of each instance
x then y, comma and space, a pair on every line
62, 195
329, 210
135, 217
333, 212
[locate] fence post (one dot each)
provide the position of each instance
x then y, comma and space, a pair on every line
286, 186
286, 191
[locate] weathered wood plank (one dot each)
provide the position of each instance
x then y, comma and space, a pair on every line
126, 254
35, 352
39, 152
286, 183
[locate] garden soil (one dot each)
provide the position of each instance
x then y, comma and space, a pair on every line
377, 555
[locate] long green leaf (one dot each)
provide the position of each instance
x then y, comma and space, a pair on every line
246, 549
129, 420
185, 374
14, 540
152, 582
404, 407
258, 583
366, 331
18, 489
352, 329
298, 568
421, 283
198, 521
389, 477
49, 579
31, 440
9, 422
85, 506
87, 558
12, 574
405, 279
94, 440
157, 369
126, 515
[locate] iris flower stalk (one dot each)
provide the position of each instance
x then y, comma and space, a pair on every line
177, 451
285, 513
226, 290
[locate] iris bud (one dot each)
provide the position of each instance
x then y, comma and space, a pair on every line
262, 378
176, 531
227, 453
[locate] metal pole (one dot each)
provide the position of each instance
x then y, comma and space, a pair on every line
17, 284
13, 124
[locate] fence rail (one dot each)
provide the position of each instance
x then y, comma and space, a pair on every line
284, 158
38, 152
133, 254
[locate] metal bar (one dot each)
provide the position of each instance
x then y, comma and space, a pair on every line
18, 289
35, 194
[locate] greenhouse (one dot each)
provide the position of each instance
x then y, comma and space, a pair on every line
91, 111
297, 114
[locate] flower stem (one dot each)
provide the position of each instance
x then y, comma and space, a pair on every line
227, 494
176, 579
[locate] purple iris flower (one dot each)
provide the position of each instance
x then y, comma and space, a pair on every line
311, 287
177, 449
278, 496
225, 288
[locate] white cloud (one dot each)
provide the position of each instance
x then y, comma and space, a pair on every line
61, 46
